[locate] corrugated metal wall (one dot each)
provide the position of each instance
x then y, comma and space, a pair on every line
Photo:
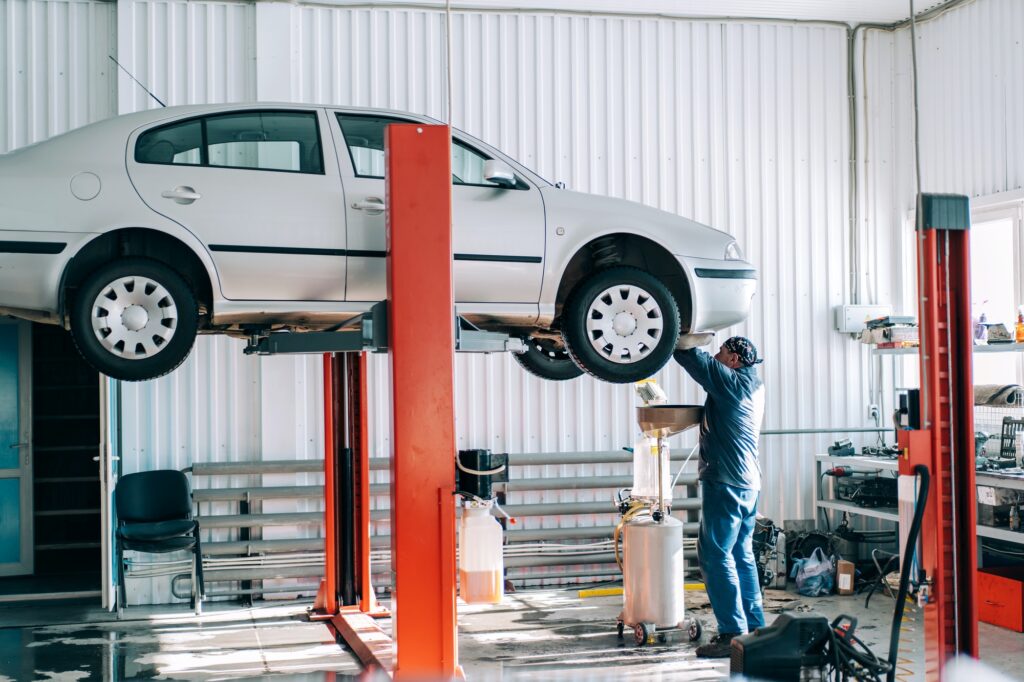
971, 101
54, 70
740, 125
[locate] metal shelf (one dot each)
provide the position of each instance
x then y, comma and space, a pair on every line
862, 461
997, 481
987, 348
1004, 534
885, 513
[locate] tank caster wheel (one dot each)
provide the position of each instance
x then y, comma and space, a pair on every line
695, 630
640, 634
620, 627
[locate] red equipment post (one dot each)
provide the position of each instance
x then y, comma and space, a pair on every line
328, 597
945, 442
421, 339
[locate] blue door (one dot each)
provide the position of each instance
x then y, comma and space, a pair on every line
16, 557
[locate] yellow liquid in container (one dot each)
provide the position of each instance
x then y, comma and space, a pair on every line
481, 587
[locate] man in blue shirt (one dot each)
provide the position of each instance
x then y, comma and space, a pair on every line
730, 481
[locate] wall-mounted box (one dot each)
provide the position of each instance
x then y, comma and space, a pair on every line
852, 319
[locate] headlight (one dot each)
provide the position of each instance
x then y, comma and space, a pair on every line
733, 251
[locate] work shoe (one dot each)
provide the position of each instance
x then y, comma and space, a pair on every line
720, 646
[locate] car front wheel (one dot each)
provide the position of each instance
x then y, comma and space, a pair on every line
134, 319
621, 324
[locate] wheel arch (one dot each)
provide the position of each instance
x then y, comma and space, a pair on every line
138, 242
628, 249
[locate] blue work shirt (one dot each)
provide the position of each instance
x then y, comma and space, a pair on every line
732, 419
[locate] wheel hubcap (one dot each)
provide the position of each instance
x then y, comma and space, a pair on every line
624, 323
134, 317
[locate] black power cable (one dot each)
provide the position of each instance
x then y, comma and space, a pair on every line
912, 537
850, 657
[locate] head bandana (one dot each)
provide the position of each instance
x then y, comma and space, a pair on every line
745, 349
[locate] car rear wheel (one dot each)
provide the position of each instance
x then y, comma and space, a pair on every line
134, 319
547, 359
621, 324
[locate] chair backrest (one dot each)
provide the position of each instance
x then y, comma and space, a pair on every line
1008, 444
153, 496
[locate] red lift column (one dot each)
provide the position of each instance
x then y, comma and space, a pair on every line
945, 442
421, 340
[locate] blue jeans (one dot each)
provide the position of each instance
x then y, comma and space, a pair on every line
726, 555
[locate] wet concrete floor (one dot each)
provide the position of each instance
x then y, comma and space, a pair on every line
549, 634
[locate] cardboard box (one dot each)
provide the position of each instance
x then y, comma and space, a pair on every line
845, 576
1001, 597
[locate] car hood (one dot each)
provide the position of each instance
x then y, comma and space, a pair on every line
595, 215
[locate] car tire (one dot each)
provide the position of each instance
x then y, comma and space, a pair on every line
543, 358
155, 325
621, 324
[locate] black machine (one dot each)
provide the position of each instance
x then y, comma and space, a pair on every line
478, 470
868, 490
842, 448
766, 542
782, 650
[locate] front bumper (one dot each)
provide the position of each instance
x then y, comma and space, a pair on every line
722, 291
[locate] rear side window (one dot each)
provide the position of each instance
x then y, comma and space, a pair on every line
259, 140
180, 143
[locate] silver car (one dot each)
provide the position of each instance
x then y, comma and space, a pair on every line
140, 231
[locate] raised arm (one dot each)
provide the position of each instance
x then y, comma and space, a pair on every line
713, 376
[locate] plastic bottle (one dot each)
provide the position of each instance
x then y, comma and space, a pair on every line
481, 567
1018, 335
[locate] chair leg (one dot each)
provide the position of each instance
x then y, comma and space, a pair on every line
199, 564
121, 591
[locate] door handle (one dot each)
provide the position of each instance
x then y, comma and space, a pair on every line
371, 205
15, 446
181, 194
112, 459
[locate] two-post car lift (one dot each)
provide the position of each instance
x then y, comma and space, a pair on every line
418, 329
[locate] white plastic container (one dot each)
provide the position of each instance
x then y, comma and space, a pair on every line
645, 470
652, 572
481, 568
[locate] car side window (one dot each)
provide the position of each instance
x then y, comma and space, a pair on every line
265, 140
364, 136
260, 140
179, 144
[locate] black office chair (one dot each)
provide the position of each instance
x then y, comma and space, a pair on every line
154, 515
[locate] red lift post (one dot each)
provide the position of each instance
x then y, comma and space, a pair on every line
421, 339
945, 441
421, 342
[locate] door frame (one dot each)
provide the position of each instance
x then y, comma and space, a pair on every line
109, 470
27, 564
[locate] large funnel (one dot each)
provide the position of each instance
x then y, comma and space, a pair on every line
662, 421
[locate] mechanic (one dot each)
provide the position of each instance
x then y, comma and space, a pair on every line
730, 481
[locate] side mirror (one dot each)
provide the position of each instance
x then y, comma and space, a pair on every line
499, 173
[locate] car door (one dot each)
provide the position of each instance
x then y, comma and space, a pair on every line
260, 189
497, 232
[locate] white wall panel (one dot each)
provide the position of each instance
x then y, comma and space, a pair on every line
55, 74
971, 102
186, 52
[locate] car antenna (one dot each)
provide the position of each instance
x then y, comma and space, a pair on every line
136, 80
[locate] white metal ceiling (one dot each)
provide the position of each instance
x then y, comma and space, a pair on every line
849, 11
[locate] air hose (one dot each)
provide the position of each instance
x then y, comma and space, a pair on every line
907, 561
